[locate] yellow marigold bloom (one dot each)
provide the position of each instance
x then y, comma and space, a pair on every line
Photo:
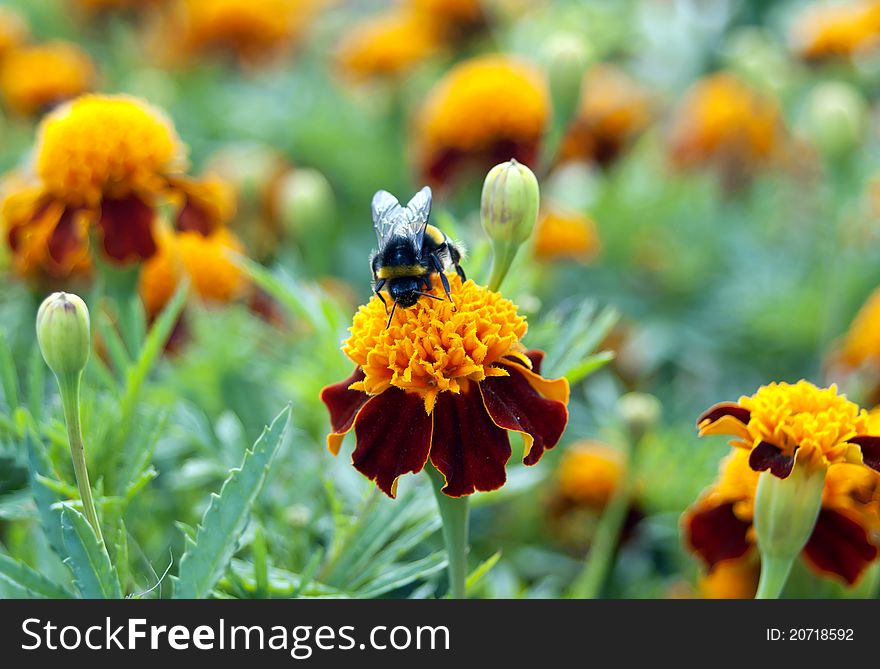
388, 45
483, 112
14, 29
35, 78
613, 110
724, 122
837, 30
731, 579
103, 163
784, 422
590, 472
206, 260
250, 30
447, 382
861, 344
718, 526
566, 235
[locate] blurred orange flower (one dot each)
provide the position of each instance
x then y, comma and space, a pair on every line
482, 112
566, 235
35, 78
388, 45
14, 29
718, 526
102, 164
612, 111
732, 579
589, 473
838, 30
725, 123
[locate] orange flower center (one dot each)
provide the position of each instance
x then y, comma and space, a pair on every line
435, 346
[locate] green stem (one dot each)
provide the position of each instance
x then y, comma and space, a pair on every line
502, 259
774, 574
70, 400
454, 514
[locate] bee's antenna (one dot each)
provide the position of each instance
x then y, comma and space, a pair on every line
393, 307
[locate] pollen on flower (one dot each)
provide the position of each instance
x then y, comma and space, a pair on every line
435, 346
815, 421
105, 145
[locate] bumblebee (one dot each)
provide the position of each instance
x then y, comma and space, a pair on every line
411, 251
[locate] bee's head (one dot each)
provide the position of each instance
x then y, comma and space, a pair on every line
404, 290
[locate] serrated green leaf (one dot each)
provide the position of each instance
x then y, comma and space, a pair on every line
87, 558
22, 577
204, 562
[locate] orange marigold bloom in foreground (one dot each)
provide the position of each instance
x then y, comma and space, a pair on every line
723, 121
837, 30
444, 382
206, 260
718, 527
783, 423
613, 110
251, 30
483, 112
103, 163
388, 45
14, 29
564, 235
35, 78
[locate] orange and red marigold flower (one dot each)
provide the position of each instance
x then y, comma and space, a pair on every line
103, 165
444, 383
718, 527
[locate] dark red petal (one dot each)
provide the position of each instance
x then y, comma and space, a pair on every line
65, 238
718, 411
343, 405
193, 218
870, 450
766, 456
393, 437
127, 225
514, 404
716, 534
839, 546
468, 448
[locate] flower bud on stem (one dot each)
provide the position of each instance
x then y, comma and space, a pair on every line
63, 334
785, 514
508, 212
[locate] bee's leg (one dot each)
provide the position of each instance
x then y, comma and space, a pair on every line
435, 261
393, 307
377, 289
460, 272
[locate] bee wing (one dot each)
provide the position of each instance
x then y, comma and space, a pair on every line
386, 214
419, 209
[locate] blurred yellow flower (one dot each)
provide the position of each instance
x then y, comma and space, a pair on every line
206, 260
612, 111
718, 526
784, 423
453, 13
482, 112
35, 78
14, 29
102, 164
722, 121
861, 344
589, 473
566, 235
250, 30
388, 45
842, 29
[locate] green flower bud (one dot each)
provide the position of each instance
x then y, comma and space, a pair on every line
509, 204
567, 56
640, 413
63, 334
836, 118
508, 211
306, 202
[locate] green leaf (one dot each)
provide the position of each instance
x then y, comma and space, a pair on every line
36, 381
206, 559
87, 558
44, 497
482, 569
29, 582
402, 575
587, 366
8, 378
